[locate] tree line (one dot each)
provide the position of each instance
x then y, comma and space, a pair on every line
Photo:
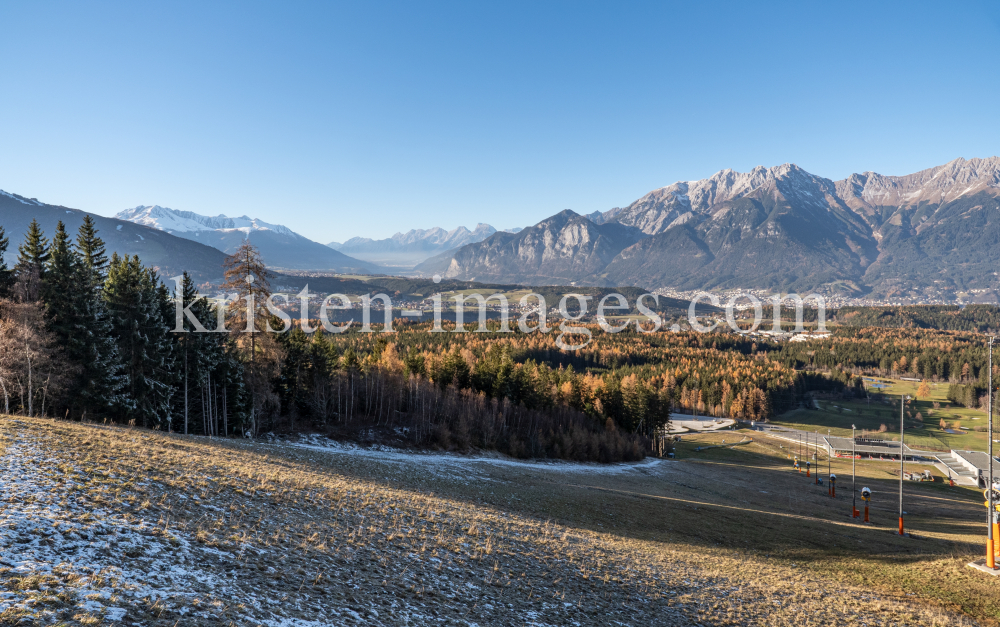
956, 357
979, 318
84, 336
88, 337
629, 381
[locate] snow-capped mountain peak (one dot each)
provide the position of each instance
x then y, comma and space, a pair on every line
940, 184
279, 246
695, 200
174, 221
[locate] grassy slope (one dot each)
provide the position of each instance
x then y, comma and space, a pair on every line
725, 537
839, 415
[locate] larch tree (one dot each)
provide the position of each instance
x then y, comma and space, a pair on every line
923, 390
247, 319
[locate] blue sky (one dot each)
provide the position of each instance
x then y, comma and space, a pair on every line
370, 118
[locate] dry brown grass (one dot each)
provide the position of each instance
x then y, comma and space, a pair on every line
313, 535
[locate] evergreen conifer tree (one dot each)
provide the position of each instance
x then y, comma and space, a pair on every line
92, 254
62, 295
32, 256
6, 274
137, 307
34, 252
102, 377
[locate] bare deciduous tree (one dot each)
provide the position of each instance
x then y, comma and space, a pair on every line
30, 360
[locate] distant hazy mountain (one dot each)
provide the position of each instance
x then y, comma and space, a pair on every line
169, 254
405, 250
924, 234
280, 247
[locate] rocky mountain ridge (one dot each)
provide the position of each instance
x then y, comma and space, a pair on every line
557, 250
782, 228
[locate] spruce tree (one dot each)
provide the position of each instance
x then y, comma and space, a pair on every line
169, 372
34, 252
137, 306
91, 252
102, 377
32, 256
62, 295
6, 274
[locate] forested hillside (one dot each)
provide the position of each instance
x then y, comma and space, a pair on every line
979, 318
85, 337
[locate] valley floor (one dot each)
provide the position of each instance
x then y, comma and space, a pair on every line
116, 526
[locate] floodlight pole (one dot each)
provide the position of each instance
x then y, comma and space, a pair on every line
991, 512
816, 454
902, 402
829, 461
854, 473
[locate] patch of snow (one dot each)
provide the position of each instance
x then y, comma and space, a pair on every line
47, 526
397, 456
20, 199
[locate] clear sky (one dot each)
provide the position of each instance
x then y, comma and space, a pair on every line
367, 118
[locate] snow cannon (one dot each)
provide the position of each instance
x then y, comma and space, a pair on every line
993, 539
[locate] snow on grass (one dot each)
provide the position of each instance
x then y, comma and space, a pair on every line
50, 534
455, 461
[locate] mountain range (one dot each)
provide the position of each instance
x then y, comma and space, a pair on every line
281, 248
927, 235
930, 233
169, 254
413, 247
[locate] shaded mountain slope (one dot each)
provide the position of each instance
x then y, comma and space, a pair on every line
281, 247
169, 254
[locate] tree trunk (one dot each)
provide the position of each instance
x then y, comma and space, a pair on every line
204, 410
225, 412
31, 392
